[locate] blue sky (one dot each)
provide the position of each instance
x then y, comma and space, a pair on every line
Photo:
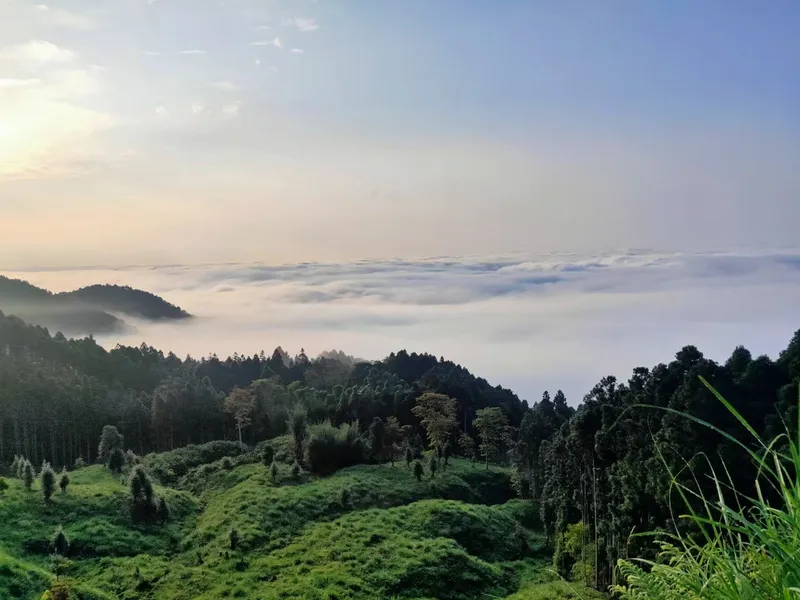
299, 130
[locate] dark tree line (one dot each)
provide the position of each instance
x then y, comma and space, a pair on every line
57, 394
602, 471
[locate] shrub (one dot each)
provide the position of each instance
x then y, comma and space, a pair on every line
233, 538
433, 464
345, 498
226, 463
331, 448
59, 542
167, 467
79, 463
267, 455
48, 478
163, 510
298, 427
116, 460
3, 486
63, 481
273, 472
419, 470
14, 469
131, 459
143, 507
27, 475
295, 470
110, 439
409, 457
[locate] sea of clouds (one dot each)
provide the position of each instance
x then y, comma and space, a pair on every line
526, 322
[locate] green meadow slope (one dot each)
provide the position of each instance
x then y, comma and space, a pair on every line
370, 531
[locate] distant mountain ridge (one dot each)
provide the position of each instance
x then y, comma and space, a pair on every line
88, 310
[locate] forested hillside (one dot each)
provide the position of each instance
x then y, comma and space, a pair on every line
127, 300
84, 311
263, 461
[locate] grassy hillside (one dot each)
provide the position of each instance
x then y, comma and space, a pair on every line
371, 531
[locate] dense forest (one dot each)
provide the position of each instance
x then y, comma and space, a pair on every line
89, 310
596, 473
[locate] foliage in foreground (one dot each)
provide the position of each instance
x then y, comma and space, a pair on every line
749, 546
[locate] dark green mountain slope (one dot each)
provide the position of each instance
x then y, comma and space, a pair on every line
88, 310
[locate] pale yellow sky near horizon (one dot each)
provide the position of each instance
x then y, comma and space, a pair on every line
145, 132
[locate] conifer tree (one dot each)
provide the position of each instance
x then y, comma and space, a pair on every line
233, 538
419, 470
48, 479
60, 542
433, 464
27, 475
63, 481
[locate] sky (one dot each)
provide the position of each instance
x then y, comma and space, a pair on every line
142, 132
545, 191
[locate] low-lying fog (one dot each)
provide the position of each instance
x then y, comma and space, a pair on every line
526, 322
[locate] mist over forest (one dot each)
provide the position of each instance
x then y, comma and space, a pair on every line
527, 321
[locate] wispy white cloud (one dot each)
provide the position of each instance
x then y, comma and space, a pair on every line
162, 112
530, 322
224, 86
276, 42
194, 51
231, 111
64, 18
151, 53
37, 52
297, 51
197, 108
306, 25
9, 83
257, 62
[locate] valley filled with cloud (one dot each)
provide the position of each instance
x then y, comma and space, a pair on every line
529, 322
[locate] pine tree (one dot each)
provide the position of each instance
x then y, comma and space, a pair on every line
163, 510
79, 463
20, 468
48, 478
409, 456
110, 439
433, 464
295, 470
15, 464
141, 495
116, 461
3, 486
63, 481
233, 538
60, 542
344, 498
419, 470
273, 472
27, 475
267, 455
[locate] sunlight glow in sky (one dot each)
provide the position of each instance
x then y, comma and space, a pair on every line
186, 131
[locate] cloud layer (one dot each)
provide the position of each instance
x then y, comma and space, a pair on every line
527, 322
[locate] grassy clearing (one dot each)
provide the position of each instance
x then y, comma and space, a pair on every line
268, 515
93, 513
371, 531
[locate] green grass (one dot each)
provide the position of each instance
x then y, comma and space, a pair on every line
93, 513
446, 537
